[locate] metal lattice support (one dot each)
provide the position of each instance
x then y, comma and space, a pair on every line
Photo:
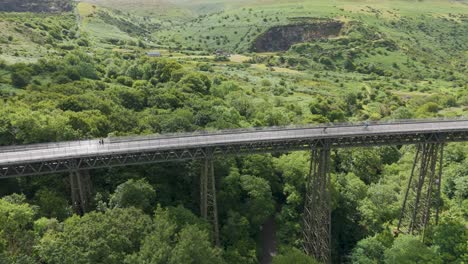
208, 204
423, 190
317, 210
80, 185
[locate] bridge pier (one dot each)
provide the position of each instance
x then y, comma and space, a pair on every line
423, 190
80, 186
208, 203
317, 207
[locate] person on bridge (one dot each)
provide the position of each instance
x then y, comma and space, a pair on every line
366, 124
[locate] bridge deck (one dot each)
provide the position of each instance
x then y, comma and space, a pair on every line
187, 146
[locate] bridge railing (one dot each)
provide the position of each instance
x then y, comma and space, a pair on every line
81, 143
50, 145
276, 128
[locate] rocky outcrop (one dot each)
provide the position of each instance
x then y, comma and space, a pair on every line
36, 6
281, 38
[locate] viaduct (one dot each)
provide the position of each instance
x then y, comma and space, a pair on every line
422, 195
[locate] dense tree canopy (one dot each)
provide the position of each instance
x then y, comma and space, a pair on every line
90, 74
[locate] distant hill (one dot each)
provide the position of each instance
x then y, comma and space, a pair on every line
36, 6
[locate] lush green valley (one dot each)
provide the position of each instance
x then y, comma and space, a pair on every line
221, 64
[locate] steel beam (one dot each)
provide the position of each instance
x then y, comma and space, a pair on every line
422, 193
134, 157
317, 207
208, 202
80, 186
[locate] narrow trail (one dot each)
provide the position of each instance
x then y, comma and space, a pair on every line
268, 240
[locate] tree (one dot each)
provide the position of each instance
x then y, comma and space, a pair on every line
368, 251
456, 181
137, 193
176, 241
134, 72
366, 163
194, 247
160, 69
372, 214
409, 249
41, 125
195, 83
294, 168
259, 203
157, 246
181, 120
402, 113
262, 166
240, 247
42, 225
293, 255
348, 192
52, 204
450, 241
87, 70
275, 117
16, 236
428, 109
95, 238
20, 78
129, 98
224, 89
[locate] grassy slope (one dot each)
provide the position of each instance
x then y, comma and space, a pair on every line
93, 23
26, 37
247, 22
314, 79
437, 28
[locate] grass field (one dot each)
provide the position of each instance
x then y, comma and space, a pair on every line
86, 74
404, 48
27, 37
241, 22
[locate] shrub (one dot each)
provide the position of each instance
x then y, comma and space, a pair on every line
125, 80
266, 83
20, 78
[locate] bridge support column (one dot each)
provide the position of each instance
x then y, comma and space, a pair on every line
423, 190
317, 209
80, 185
208, 203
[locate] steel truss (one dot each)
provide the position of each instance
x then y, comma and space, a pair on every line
208, 203
317, 208
80, 186
423, 190
67, 164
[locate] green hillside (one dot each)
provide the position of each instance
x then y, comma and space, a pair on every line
220, 64
42, 6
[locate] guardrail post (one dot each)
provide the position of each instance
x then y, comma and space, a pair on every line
317, 206
208, 203
423, 190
